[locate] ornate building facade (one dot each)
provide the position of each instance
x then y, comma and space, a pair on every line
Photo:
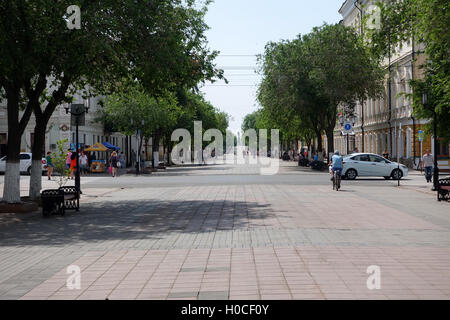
387, 123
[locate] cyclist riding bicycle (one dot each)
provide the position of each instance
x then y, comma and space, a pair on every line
336, 164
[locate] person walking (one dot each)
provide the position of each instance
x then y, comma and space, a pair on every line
68, 158
113, 160
73, 164
83, 163
427, 165
49, 161
122, 160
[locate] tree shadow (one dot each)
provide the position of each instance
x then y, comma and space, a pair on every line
135, 220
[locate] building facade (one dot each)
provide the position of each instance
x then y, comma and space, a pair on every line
59, 128
387, 123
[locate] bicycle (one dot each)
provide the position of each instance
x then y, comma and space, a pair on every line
336, 180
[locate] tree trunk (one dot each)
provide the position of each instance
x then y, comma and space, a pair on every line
42, 119
330, 140
11, 189
36, 168
169, 148
155, 149
319, 141
140, 151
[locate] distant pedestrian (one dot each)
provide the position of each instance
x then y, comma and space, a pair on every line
49, 161
427, 165
83, 163
386, 154
68, 158
122, 160
73, 164
356, 150
114, 160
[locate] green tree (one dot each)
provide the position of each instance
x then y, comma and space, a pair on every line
312, 75
59, 163
134, 109
43, 63
426, 23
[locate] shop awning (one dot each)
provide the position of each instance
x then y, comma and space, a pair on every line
96, 147
110, 146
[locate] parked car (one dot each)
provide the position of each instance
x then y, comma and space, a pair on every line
25, 163
372, 165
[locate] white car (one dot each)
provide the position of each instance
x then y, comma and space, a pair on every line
25, 163
372, 165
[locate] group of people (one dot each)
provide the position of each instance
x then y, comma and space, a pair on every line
85, 159
71, 163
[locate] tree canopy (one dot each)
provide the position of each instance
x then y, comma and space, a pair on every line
305, 80
161, 43
426, 23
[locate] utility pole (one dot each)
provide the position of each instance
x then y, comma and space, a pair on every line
77, 110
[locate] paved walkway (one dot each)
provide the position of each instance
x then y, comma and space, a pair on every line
188, 236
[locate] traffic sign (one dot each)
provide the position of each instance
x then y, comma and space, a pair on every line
420, 135
348, 127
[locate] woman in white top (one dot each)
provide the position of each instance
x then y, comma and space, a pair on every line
83, 163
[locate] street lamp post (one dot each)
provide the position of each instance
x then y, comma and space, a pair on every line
429, 106
77, 110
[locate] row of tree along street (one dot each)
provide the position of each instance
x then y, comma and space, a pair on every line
309, 80
147, 56
132, 109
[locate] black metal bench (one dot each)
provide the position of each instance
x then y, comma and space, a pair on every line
52, 202
71, 198
443, 189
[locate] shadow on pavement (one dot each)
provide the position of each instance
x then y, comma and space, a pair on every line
127, 220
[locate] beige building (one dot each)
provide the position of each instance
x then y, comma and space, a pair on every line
59, 127
387, 123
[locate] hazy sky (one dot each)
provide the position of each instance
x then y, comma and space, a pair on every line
240, 29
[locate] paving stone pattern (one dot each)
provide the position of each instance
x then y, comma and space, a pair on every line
241, 241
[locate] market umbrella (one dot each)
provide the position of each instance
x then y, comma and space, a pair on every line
97, 147
110, 146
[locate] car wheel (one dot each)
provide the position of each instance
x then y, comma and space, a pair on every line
396, 174
29, 171
351, 174
387, 178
